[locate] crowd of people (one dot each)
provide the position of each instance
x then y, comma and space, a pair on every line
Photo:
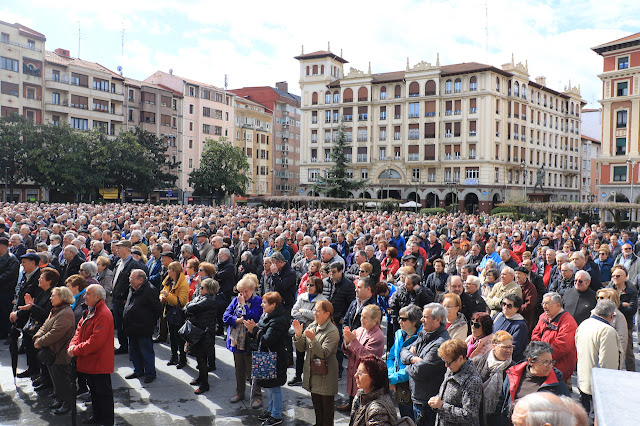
448, 319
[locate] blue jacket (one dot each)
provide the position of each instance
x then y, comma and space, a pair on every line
399, 243
605, 268
155, 272
516, 326
253, 312
397, 370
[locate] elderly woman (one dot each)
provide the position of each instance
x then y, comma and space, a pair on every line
312, 271
77, 284
319, 342
201, 311
247, 306
488, 279
175, 295
479, 342
55, 334
270, 334
492, 367
302, 311
458, 401
390, 264
512, 322
364, 271
628, 306
192, 276
105, 277
365, 340
619, 322
410, 326
436, 281
373, 404
456, 322
605, 264
536, 374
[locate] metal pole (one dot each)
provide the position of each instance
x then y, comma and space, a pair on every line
6, 181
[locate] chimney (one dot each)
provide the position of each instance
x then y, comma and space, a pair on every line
282, 85
542, 80
63, 52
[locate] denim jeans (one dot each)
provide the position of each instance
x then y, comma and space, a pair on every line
406, 410
275, 402
425, 416
142, 356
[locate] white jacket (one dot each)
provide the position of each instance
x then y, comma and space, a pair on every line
303, 309
598, 345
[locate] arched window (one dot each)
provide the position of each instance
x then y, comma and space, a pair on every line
327, 97
397, 91
389, 174
448, 86
457, 86
336, 97
383, 93
497, 84
473, 84
315, 70
524, 91
571, 107
430, 88
347, 96
414, 89
516, 89
322, 69
509, 88
314, 98
363, 94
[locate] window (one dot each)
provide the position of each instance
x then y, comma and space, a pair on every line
472, 173
383, 134
457, 86
364, 174
362, 135
414, 110
336, 97
99, 84
415, 175
130, 115
5, 38
621, 119
327, 98
362, 154
8, 64
431, 175
396, 133
79, 79
55, 120
81, 102
622, 88
99, 105
55, 98
31, 44
473, 84
206, 94
190, 108
619, 173
191, 163
414, 89
621, 146
430, 152
383, 113
448, 87
313, 175
383, 153
79, 123
383, 93
102, 126
206, 128
623, 63
414, 152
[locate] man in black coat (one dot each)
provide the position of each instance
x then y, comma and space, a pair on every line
226, 277
72, 262
28, 284
9, 268
141, 311
123, 269
472, 289
410, 293
364, 296
580, 300
17, 246
340, 291
283, 280
377, 267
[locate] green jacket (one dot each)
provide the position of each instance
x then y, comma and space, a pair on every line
324, 346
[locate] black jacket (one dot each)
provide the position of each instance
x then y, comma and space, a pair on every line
377, 268
9, 269
579, 304
202, 311
272, 335
25, 287
226, 277
284, 282
121, 285
342, 293
434, 252
477, 303
352, 317
72, 268
420, 297
41, 306
142, 310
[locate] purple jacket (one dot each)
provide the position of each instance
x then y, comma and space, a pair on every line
253, 312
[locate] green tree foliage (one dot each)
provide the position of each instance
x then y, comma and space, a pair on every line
337, 183
223, 170
15, 133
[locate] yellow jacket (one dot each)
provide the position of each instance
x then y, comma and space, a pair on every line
178, 291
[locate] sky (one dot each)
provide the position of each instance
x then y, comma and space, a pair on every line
254, 42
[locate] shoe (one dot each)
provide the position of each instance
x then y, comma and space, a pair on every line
64, 409
149, 379
296, 381
43, 386
56, 405
121, 351
344, 407
181, 364
159, 340
132, 376
236, 398
91, 421
26, 373
256, 403
272, 421
37, 381
173, 361
201, 390
212, 367
265, 415
195, 382
87, 403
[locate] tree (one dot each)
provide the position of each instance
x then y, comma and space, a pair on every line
15, 133
337, 183
223, 170
161, 176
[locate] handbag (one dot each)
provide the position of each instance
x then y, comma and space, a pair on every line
31, 327
191, 333
403, 393
263, 364
319, 367
174, 315
47, 356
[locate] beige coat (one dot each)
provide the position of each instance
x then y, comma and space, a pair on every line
598, 345
324, 346
459, 328
498, 292
56, 333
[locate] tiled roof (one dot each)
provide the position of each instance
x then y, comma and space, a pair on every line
286, 94
321, 54
54, 58
27, 30
591, 139
615, 43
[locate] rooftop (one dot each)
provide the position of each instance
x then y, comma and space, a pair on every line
621, 43
54, 58
321, 54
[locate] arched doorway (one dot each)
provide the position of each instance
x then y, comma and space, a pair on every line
451, 202
471, 203
389, 193
620, 198
432, 200
413, 196
495, 201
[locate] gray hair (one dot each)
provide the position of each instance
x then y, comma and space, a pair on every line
327, 250
554, 296
437, 312
211, 285
509, 270
66, 296
546, 408
568, 265
415, 279
605, 308
584, 274
225, 251
187, 248
562, 257
473, 279
56, 237
537, 348
45, 256
277, 257
73, 249
98, 291
246, 256
413, 312
370, 248
137, 233
91, 268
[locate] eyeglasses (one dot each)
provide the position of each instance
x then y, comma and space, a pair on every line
546, 363
310, 285
578, 281
507, 305
361, 373
362, 270
476, 324
448, 363
505, 347
626, 248
617, 276
402, 319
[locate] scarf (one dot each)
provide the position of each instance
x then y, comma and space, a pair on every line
77, 297
311, 297
493, 386
238, 333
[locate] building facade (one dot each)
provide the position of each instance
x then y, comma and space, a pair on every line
254, 134
461, 136
589, 170
207, 112
285, 163
620, 119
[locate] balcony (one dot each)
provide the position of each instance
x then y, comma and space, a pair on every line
429, 114
363, 117
448, 112
24, 46
60, 107
473, 110
34, 72
472, 133
414, 115
347, 117
457, 112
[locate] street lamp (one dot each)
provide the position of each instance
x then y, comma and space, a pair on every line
417, 181
525, 172
631, 163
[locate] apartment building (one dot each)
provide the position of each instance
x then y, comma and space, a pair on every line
83, 94
158, 110
286, 124
589, 171
462, 135
254, 134
207, 112
620, 154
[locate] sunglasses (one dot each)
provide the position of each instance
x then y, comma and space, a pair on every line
362, 270
311, 285
601, 298
402, 319
508, 305
476, 324
578, 281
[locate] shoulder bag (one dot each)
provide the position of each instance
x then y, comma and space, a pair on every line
263, 364
174, 315
191, 333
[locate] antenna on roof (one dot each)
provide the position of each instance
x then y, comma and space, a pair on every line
486, 31
79, 38
122, 53
226, 81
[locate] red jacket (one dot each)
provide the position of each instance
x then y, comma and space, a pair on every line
517, 250
94, 342
563, 340
551, 384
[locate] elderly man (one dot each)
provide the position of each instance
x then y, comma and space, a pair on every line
472, 289
558, 328
507, 260
226, 277
543, 408
505, 286
308, 255
425, 368
125, 265
141, 311
529, 296
92, 345
547, 268
340, 291
580, 262
411, 293
353, 271
597, 345
97, 250
490, 254
204, 246
629, 260
17, 247
73, 258
364, 296
377, 267
154, 265
580, 299
565, 280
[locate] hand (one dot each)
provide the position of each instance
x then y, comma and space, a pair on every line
392, 387
413, 350
36, 345
274, 268
163, 299
297, 328
164, 293
13, 316
625, 304
416, 359
349, 335
239, 320
435, 402
240, 299
28, 300
310, 334
25, 307
251, 324
70, 350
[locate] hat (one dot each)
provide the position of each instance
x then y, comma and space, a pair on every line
334, 246
409, 256
521, 269
201, 234
545, 238
31, 256
136, 250
4, 241
169, 254
123, 243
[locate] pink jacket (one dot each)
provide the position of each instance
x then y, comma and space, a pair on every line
365, 343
